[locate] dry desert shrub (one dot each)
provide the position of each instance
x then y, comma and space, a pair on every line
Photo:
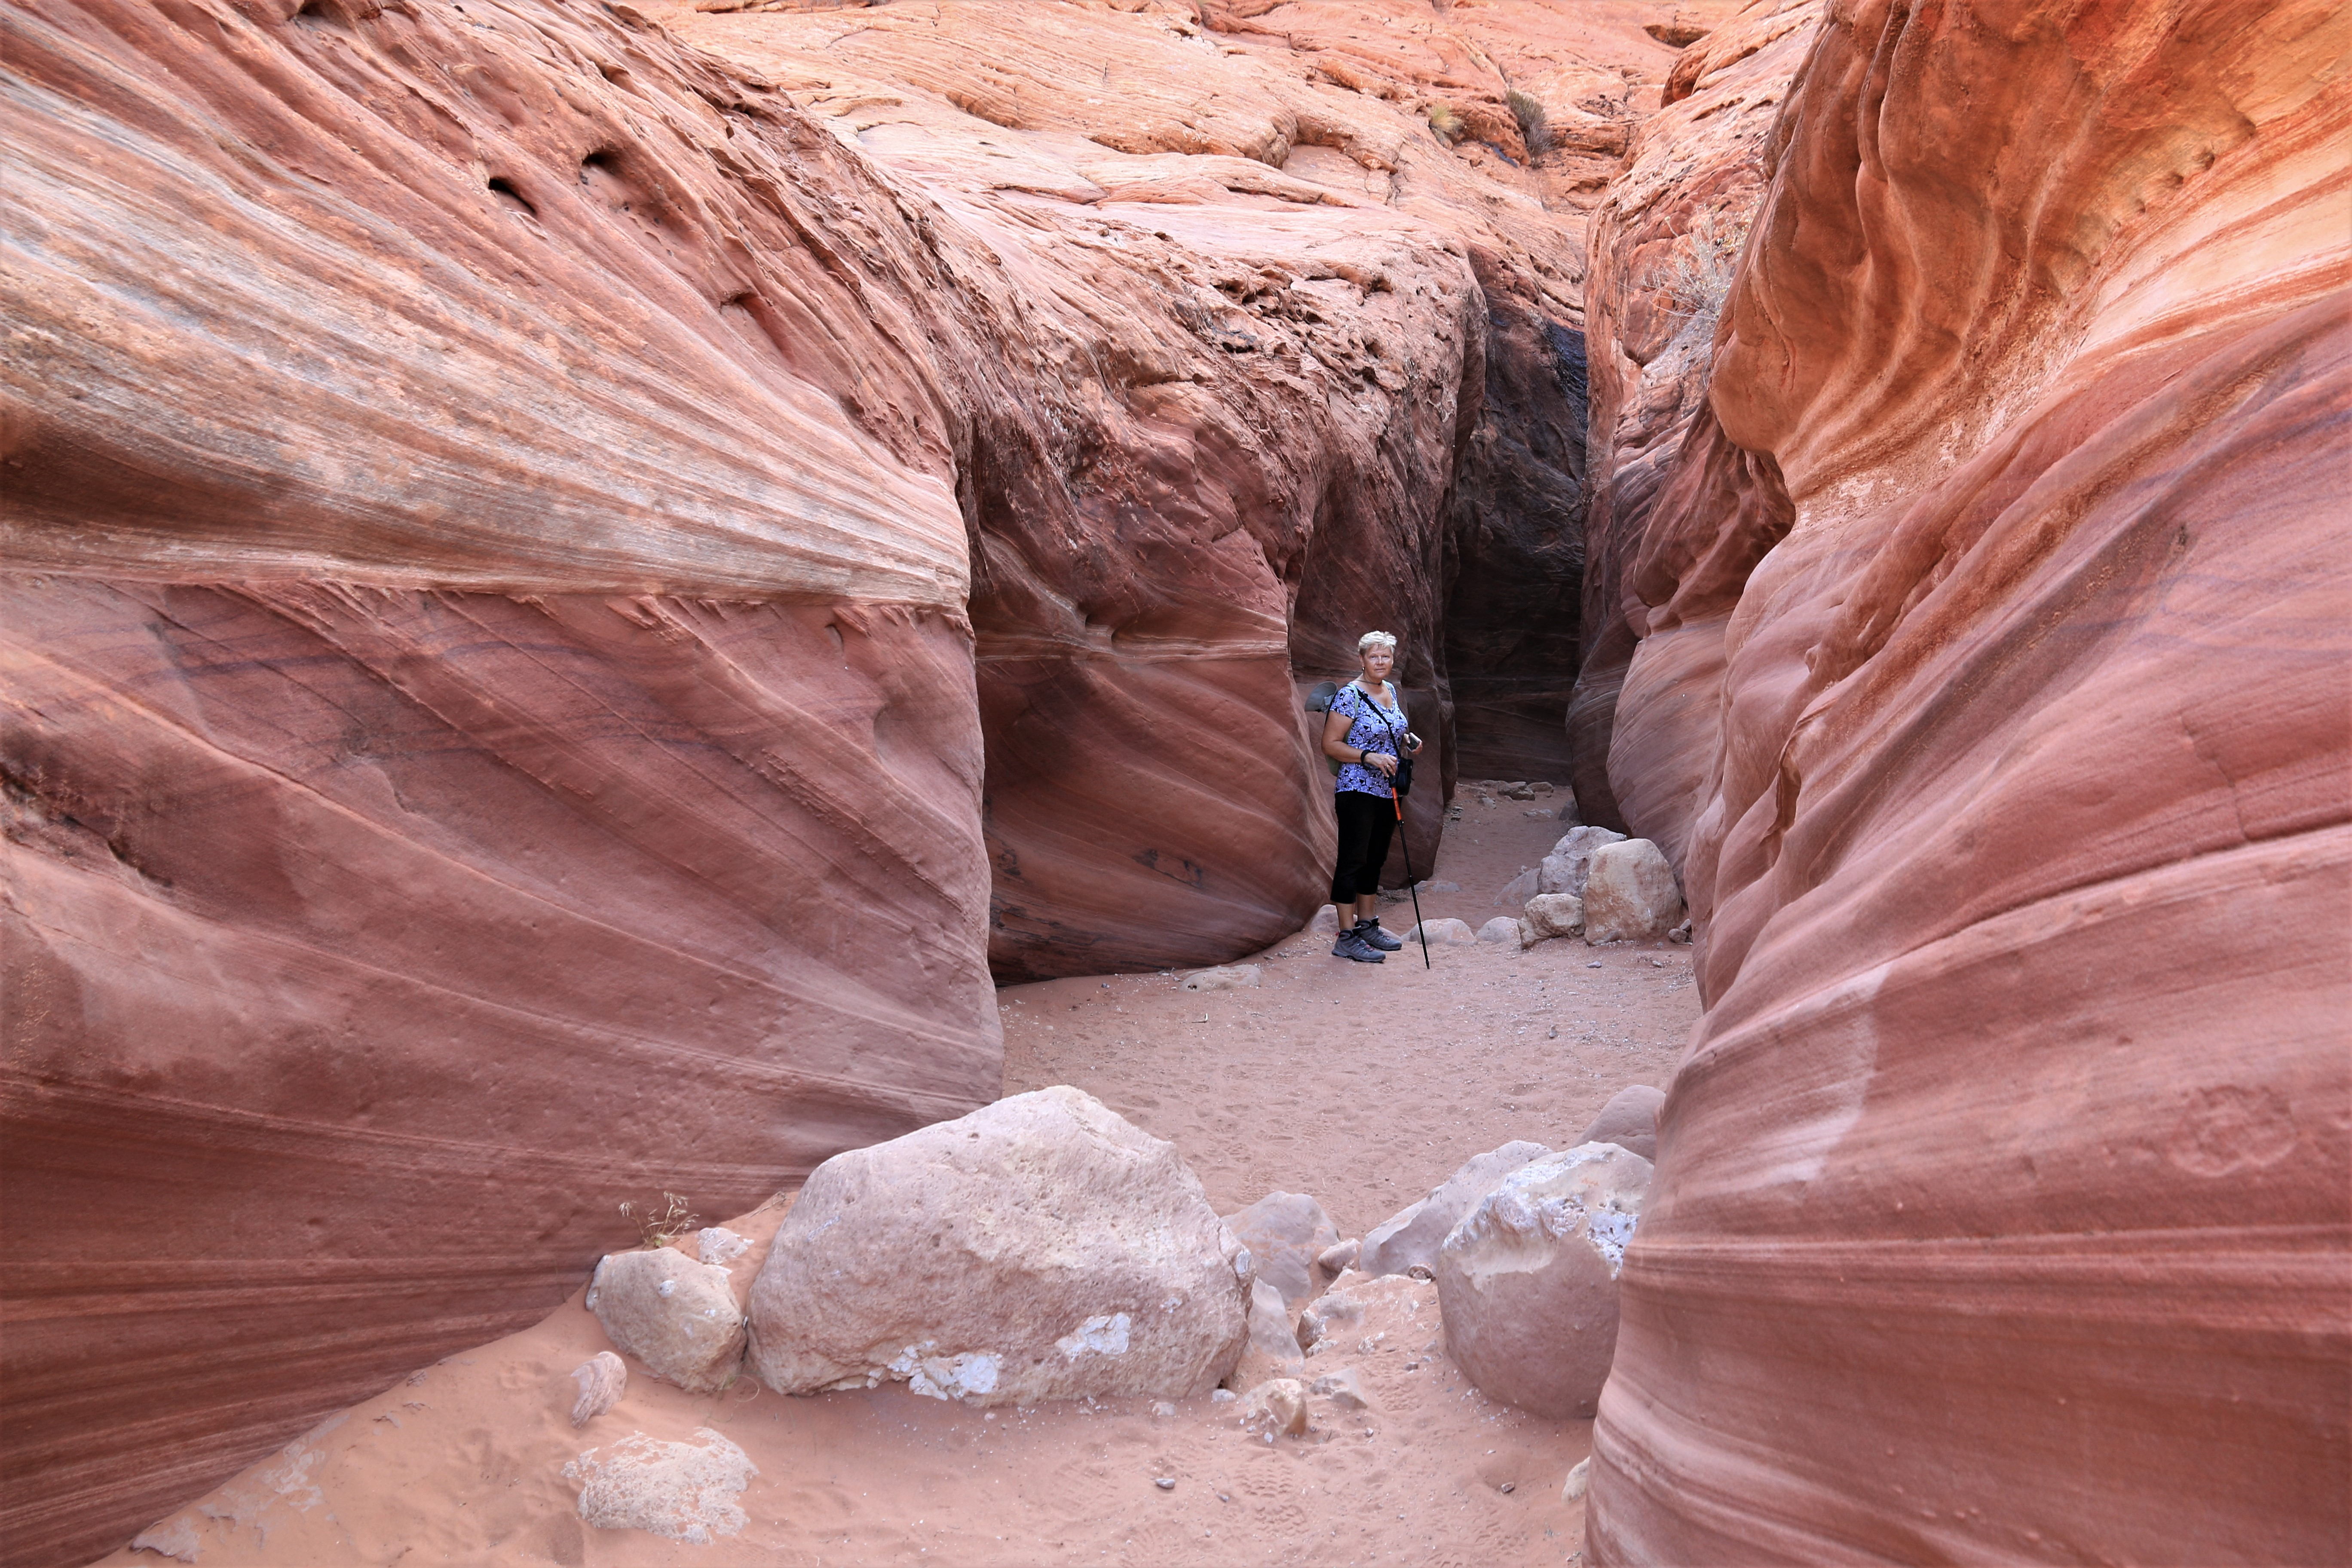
1699, 277
1447, 124
1535, 125
660, 1229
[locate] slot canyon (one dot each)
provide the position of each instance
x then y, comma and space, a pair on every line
621, 603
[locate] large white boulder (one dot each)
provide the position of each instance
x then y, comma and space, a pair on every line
1527, 1282
1412, 1236
678, 1316
1564, 869
1041, 1247
1630, 894
1285, 1233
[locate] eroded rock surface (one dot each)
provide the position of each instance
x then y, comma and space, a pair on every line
488, 693
520, 530
1526, 1280
1988, 694
1411, 1238
1040, 1248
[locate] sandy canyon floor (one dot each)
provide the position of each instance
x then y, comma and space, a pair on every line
1362, 1085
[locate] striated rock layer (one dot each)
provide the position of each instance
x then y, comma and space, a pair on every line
561, 588
1992, 691
1340, 360
490, 726
1663, 242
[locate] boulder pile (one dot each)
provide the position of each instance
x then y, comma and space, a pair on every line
1598, 884
1041, 1247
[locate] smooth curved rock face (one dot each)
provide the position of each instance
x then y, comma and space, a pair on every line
1629, 1119
1337, 379
1664, 243
1527, 1281
2020, 1111
1040, 1248
348, 928
510, 522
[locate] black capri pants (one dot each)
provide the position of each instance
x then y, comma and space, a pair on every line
1366, 821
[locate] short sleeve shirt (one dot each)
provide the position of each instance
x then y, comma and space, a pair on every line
1376, 729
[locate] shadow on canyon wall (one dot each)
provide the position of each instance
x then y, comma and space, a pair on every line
582, 581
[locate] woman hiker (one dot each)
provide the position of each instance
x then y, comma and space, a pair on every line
1365, 732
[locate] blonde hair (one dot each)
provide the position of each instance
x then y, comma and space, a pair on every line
1370, 639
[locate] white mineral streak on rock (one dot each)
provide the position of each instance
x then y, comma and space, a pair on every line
1104, 1334
963, 1375
716, 1244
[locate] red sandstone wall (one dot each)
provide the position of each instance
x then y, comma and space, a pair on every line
1663, 241
2002, 1200
489, 727
560, 590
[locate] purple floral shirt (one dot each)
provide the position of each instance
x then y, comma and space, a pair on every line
1376, 729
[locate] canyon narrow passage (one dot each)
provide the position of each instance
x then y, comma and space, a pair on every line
665, 795
1363, 1087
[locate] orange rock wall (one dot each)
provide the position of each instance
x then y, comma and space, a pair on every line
2004, 1200
556, 579
1663, 242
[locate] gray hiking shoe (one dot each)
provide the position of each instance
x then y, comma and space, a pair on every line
1351, 944
1375, 937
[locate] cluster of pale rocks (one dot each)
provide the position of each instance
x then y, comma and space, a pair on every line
1594, 883
1043, 1248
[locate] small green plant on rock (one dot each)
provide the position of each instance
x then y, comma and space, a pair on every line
1535, 125
660, 1229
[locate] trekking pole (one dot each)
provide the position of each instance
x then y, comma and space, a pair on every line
1420, 926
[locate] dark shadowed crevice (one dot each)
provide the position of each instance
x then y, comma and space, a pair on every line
1513, 612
